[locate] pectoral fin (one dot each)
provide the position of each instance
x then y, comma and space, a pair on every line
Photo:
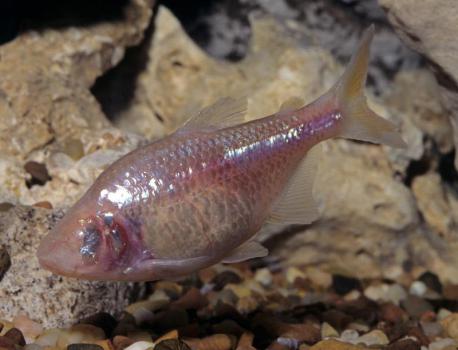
246, 251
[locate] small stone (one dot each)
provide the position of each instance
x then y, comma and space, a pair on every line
121, 342
336, 318
404, 344
172, 344
32, 347
418, 288
375, 337
7, 344
29, 328
293, 273
353, 295
49, 337
224, 278
84, 346
450, 325
334, 345
79, 333
212, 342
191, 300
443, 313
443, 344
359, 327
431, 329
451, 291
349, 336
390, 312
386, 292
247, 304
139, 335
172, 289
241, 291
327, 331
319, 277
343, 284
141, 345
263, 276
15, 336
416, 306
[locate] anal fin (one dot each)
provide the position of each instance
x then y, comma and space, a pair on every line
296, 204
246, 251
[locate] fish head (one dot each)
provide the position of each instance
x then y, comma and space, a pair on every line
94, 243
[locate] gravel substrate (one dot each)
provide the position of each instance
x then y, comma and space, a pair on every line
262, 306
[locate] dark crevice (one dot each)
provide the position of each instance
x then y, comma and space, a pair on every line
447, 170
115, 89
38, 172
416, 168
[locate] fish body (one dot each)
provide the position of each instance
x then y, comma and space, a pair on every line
201, 194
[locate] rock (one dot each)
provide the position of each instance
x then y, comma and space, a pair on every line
141, 345
416, 306
15, 336
79, 333
450, 325
375, 337
404, 344
418, 288
54, 300
436, 42
335, 345
212, 342
443, 344
224, 278
390, 312
28, 327
171, 344
394, 293
263, 276
327, 331
84, 347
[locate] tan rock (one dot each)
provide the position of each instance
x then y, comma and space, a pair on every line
335, 345
436, 41
450, 325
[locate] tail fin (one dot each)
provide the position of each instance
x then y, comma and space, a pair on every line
359, 121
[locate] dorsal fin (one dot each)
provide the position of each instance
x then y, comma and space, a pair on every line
291, 104
296, 204
223, 113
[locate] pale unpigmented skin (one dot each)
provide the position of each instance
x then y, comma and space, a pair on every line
186, 201
195, 197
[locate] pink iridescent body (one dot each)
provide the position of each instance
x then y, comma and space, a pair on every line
198, 196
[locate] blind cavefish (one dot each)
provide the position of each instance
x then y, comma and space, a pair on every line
200, 195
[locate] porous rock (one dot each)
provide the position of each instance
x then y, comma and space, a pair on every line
49, 299
431, 31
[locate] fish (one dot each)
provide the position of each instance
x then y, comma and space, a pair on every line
200, 195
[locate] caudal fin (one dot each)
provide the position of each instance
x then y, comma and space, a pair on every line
359, 121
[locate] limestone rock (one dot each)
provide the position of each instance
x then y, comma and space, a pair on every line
431, 31
52, 300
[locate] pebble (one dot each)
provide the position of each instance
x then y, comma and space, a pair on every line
332, 344
327, 331
140, 345
32, 347
386, 292
293, 273
80, 333
139, 335
121, 342
418, 288
15, 336
416, 306
359, 327
212, 342
263, 276
443, 344
49, 337
172, 289
349, 336
246, 305
7, 344
375, 337
29, 328
404, 344
84, 346
390, 312
450, 325
432, 329
443, 313
172, 344
319, 277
